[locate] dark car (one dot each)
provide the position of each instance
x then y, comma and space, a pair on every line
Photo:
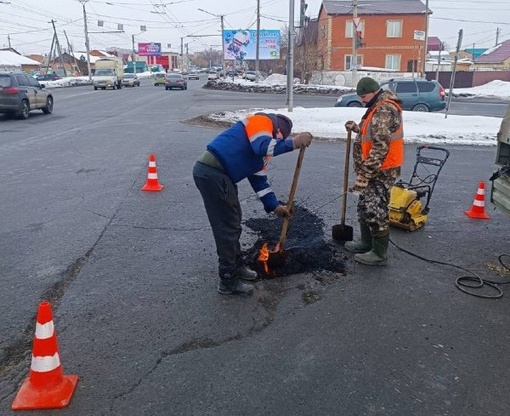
21, 93
48, 77
175, 81
416, 95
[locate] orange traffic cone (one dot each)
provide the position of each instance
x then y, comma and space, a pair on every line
478, 208
46, 387
152, 183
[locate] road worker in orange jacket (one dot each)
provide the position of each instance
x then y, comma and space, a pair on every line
378, 153
240, 152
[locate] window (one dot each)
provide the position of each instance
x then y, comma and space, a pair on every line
5, 81
33, 82
406, 86
349, 25
393, 62
426, 86
394, 28
348, 62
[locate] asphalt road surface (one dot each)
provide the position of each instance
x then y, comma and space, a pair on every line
131, 276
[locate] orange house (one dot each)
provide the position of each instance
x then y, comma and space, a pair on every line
389, 34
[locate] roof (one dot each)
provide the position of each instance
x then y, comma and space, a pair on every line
495, 55
475, 52
14, 59
36, 57
83, 56
434, 44
374, 7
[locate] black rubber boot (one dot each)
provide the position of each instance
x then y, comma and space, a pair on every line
363, 246
233, 286
378, 255
245, 273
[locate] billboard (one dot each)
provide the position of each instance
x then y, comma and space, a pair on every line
149, 49
240, 45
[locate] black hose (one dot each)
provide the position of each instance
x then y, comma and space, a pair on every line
468, 284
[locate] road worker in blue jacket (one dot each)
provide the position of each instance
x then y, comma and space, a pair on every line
240, 152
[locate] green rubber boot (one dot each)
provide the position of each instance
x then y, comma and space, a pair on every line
378, 255
362, 246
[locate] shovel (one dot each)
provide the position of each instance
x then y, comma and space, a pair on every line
278, 255
342, 232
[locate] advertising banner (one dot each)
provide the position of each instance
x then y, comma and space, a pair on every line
149, 49
241, 45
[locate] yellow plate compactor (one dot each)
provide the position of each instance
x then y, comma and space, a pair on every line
406, 208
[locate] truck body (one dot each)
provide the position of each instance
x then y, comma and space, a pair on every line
500, 192
109, 73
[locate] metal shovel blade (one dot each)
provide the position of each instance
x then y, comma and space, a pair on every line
342, 232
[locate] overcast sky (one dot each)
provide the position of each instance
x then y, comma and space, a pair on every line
27, 23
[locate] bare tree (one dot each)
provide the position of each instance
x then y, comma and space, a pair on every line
306, 51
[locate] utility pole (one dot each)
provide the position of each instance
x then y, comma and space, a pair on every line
71, 52
290, 59
354, 61
182, 54
221, 16
86, 38
425, 43
439, 61
498, 31
452, 79
223, 47
258, 43
59, 49
9, 40
187, 58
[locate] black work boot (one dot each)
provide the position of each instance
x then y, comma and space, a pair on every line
363, 246
245, 273
233, 286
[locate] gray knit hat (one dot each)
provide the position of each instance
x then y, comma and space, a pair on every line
366, 85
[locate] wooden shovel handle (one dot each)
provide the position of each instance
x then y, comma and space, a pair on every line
290, 203
346, 174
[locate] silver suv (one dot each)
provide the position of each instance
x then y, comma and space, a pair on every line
21, 93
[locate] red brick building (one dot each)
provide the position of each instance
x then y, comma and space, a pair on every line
392, 34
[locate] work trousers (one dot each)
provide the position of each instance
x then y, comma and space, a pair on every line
373, 207
221, 202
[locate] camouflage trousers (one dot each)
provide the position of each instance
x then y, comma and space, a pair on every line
373, 207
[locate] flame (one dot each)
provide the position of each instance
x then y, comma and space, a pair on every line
264, 253
264, 257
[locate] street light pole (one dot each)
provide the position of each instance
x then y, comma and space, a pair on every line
425, 44
86, 38
290, 59
258, 43
221, 16
134, 50
354, 63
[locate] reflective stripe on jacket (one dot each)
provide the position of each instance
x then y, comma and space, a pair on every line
395, 156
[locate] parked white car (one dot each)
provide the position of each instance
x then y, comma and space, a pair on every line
252, 75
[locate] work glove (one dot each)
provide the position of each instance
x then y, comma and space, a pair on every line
351, 125
360, 184
302, 139
282, 211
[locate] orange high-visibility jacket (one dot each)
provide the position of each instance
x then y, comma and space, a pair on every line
395, 156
